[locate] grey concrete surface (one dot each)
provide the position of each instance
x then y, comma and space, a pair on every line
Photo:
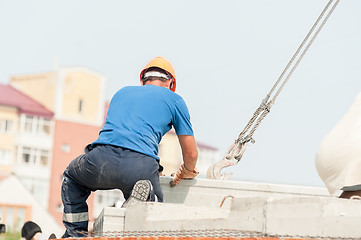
270, 209
207, 192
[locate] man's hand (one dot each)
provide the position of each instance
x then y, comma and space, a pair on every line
183, 173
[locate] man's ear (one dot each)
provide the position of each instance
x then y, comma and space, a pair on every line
171, 84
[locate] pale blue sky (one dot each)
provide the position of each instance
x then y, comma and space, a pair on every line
227, 55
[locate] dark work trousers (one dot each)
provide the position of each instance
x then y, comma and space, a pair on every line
104, 167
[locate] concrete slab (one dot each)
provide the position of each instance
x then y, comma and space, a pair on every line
173, 217
332, 217
111, 219
315, 217
270, 209
210, 192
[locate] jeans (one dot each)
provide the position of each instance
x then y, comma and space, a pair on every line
104, 167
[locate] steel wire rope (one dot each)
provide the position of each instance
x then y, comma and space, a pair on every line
237, 149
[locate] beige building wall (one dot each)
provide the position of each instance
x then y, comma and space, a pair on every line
73, 94
40, 87
81, 88
7, 137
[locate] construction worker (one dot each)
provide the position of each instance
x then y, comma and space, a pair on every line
125, 154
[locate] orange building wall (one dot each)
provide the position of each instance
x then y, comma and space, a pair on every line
77, 136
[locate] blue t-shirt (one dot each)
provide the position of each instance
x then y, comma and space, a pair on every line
139, 116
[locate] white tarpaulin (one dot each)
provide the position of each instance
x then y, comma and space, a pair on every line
338, 159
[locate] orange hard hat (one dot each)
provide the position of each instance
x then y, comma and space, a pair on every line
162, 63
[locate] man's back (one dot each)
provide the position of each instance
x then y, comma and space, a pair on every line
139, 116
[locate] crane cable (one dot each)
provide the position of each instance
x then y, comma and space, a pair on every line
238, 148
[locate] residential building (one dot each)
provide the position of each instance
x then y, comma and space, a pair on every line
76, 96
26, 140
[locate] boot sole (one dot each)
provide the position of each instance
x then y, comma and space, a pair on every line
140, 193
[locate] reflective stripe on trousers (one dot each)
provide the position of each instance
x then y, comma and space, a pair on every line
75, 217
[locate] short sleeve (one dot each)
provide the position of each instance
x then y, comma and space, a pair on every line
181, 119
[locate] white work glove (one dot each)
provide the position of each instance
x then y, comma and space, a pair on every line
183, 173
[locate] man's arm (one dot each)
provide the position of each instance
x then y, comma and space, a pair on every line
189, 151
190, 155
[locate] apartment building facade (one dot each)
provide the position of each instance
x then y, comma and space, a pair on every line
25, 150
76, 97
25, 140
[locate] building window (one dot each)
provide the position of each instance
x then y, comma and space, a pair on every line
36, 125
65, 147
100, 199
35, 157
38, 186
27, 158
60, 208
45, 126
80, 106
29, 124
108, 197
5, 157
6, 126
14, 216
44, 158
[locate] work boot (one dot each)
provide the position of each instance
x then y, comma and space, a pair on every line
141, 192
